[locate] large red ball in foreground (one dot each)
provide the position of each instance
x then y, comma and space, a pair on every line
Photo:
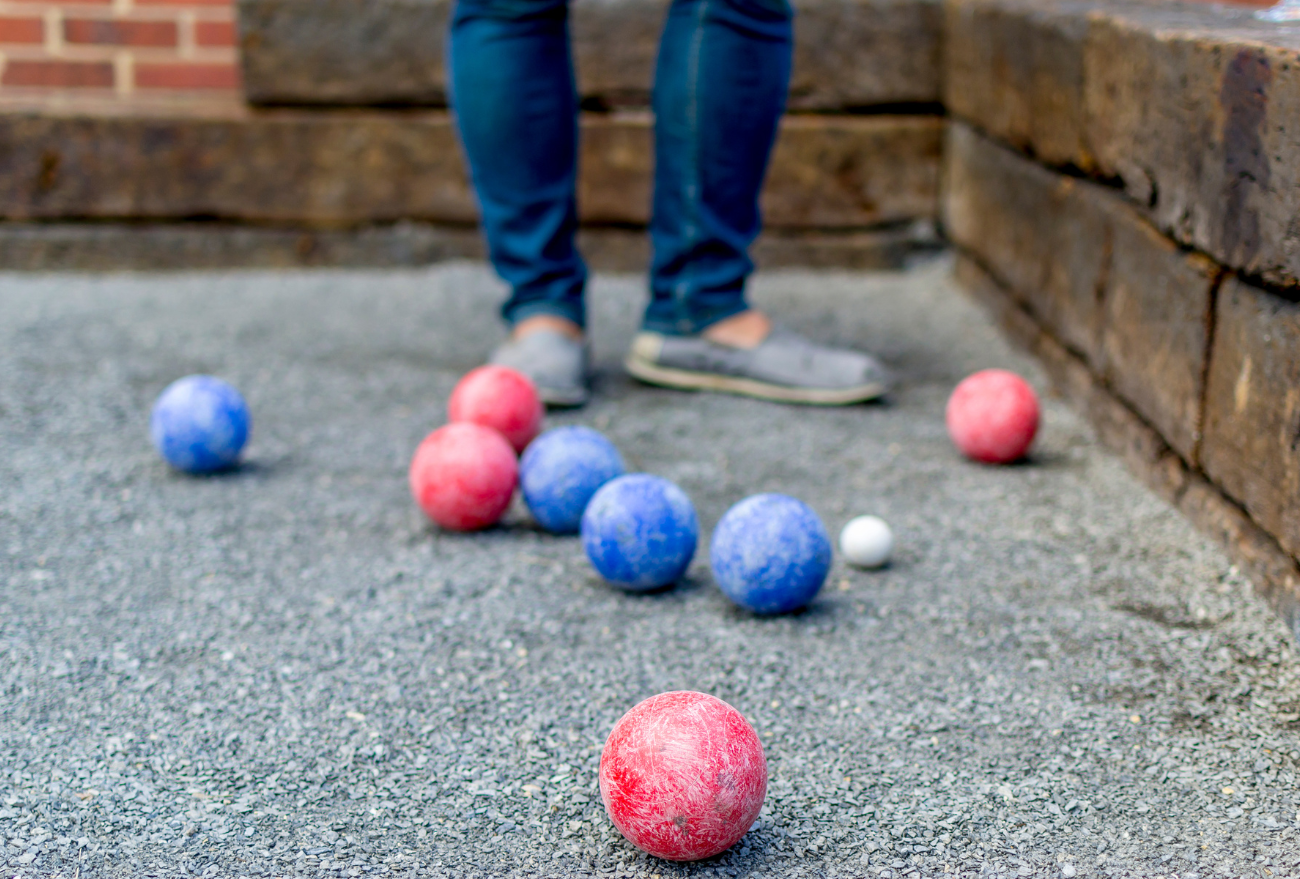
463, 476
500, 398
683, 776
993, 416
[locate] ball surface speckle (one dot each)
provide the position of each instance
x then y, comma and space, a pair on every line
463, 476
770, 553
867, 542
683, 776
640, 532
992, 416
561, 470
199, 424
501, 398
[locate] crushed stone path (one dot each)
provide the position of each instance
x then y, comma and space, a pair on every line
285, 671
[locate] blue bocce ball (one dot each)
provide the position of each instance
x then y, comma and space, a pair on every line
770, 554
561, 470
200, 424
640, 532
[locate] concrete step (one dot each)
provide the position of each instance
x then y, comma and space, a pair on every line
848, 53
343, 168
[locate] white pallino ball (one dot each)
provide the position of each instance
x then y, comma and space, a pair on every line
867, 542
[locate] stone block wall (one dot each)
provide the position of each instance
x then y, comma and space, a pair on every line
1121, 187
114, 49
855, 175
848, 53
845, 190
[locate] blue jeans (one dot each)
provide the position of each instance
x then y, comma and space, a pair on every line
720, 88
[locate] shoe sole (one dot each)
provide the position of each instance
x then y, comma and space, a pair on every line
560, 400
689, 380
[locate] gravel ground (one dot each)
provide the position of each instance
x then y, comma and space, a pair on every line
285, 671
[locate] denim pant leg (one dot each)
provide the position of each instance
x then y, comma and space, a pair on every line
720, 89
513, 92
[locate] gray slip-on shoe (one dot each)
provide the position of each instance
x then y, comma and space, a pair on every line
785, 367
556, 363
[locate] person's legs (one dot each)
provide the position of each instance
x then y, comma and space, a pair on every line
720, 89
513, 93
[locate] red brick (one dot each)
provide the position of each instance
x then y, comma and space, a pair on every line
120, 33
214, 33
68, 74
22, 30
186, 76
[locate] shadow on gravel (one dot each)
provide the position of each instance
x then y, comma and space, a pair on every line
1170, 617
254, 469
824, 609
1038, 459
687, 585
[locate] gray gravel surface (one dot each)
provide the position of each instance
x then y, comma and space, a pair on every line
286, 671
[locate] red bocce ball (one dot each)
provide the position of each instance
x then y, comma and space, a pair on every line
683, 776
993, 416
502, 399
463, 476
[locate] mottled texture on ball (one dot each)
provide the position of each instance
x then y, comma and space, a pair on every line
640, 532
500, 398
683, 776
463, 476
993, 416
200, 424
770, 554
561, 470
867, 542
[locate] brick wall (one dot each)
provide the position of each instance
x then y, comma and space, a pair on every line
117, 48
